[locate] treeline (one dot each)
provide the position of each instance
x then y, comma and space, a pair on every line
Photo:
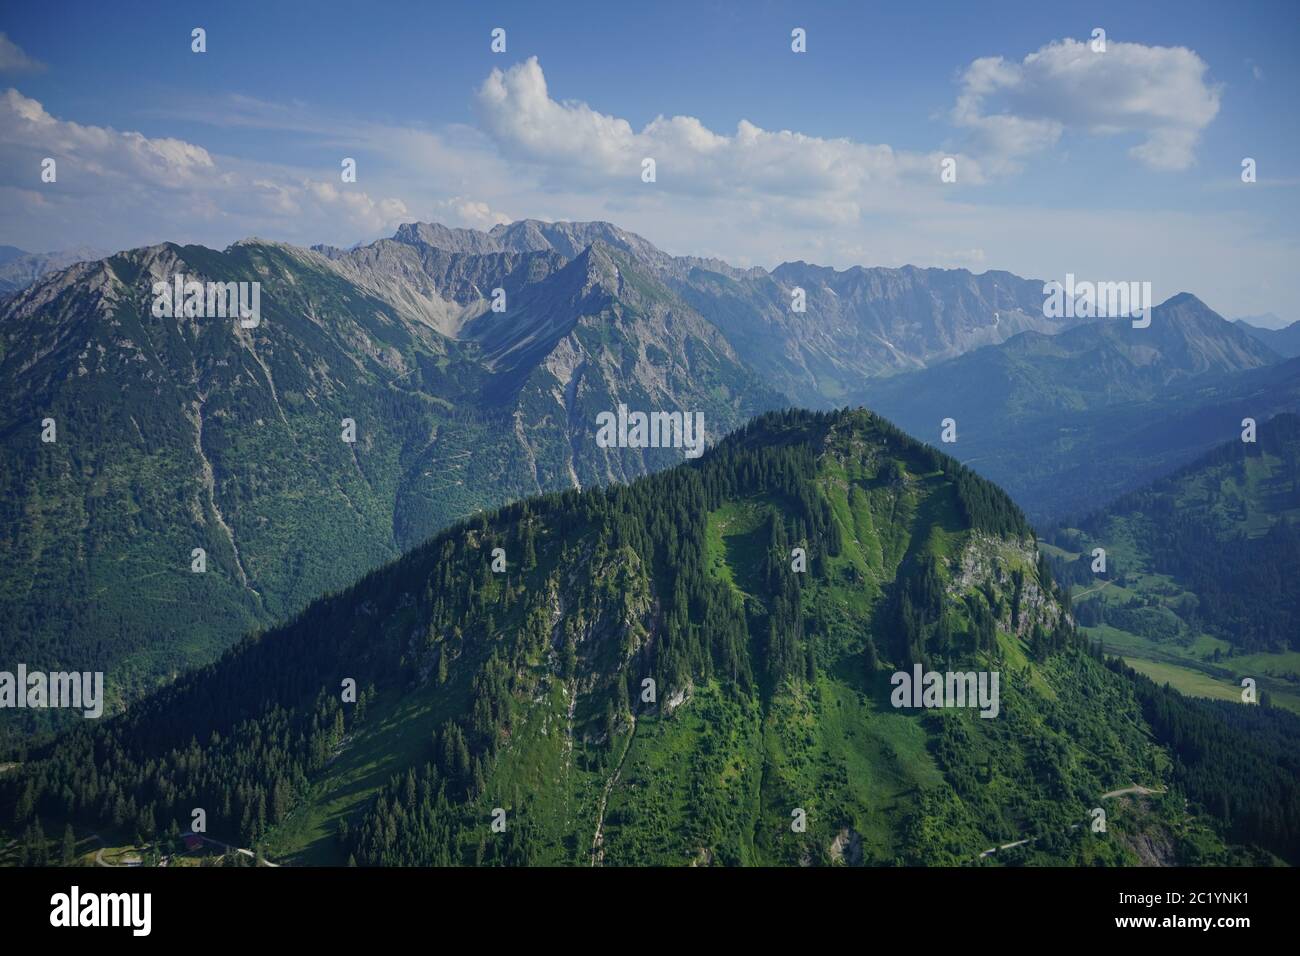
1246, 585
1238, 762
985, 506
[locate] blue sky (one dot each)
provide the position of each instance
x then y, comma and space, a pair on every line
1116, 165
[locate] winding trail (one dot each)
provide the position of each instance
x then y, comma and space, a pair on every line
229, 849
1099, 587
1136, 788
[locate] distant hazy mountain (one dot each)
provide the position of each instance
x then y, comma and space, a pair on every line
1265, 320
588, 323
1283, 341
19, 269
855, 323
1068, 422
10, 253
861, 322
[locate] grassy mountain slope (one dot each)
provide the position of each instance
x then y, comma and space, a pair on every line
525, 691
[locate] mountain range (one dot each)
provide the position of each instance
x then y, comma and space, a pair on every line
179, 433
183, 433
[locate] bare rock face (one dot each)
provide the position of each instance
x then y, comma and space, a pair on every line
859, 321
987, 560
846, 847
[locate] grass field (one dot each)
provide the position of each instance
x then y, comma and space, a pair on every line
1187, 681
1186, 668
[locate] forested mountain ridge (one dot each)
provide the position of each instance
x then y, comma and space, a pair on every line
520, 695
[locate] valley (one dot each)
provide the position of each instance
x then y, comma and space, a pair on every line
1197, 587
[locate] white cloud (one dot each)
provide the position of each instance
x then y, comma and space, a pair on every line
14, 60
473, 214
1159, 93
749, 196
115, 188
166, 162
571, 143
